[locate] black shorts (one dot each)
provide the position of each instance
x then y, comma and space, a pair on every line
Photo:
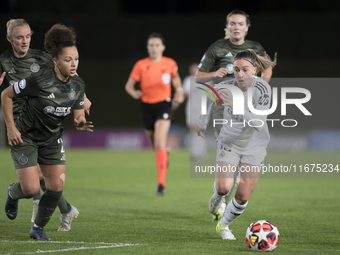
153, 112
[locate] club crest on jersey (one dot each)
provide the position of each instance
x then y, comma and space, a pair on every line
230, 68
166, 78
222, 154
23, 159
22, 84
72, 94
35, 68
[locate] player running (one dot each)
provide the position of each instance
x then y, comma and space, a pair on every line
36, 135
238, 144
155, 74
217, 65
18, 64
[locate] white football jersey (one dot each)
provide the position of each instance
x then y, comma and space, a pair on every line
246, 134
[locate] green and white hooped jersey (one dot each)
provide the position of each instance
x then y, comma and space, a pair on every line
221, 54
17, 69
49, 100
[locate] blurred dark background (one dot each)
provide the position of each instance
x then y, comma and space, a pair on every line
112, 37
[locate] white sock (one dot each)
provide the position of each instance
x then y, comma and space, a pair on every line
232, 211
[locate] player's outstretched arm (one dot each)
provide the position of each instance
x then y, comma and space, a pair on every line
80, 122
205, 77
14, 136
130, 89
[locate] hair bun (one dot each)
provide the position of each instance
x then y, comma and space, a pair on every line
59, 35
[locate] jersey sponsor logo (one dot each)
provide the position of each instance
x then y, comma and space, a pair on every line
81, 103
165, 115
72, 95
51, 96
230, 68
63, 158
16, 88
229, 54
23, 159
12, 71
264, 99
62, 111
166, 78
35, 68
22, 84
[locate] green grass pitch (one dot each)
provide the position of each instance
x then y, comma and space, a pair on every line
114, 192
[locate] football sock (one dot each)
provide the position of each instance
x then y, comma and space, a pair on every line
63, 205
16, 192
232, 211
37, 195
161, 163
47, 205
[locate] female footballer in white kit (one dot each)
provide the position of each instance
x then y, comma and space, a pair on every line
243, 139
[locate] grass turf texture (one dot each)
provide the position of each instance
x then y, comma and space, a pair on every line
115, 194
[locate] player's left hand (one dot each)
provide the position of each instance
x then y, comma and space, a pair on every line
227, 99
200, 132
87, 104
83, 125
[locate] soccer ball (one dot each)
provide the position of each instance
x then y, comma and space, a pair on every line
262, 235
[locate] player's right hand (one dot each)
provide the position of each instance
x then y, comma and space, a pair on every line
2, 77
200, 132
14, 137
221, 72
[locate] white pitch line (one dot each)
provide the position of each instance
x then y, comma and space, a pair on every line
105, 246
81, 242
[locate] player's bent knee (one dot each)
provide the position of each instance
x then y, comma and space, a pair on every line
241, 199
30, 191
223, 189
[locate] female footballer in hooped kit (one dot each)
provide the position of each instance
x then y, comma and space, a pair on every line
36, 136
155, 74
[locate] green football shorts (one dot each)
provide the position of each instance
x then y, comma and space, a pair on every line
31, 153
